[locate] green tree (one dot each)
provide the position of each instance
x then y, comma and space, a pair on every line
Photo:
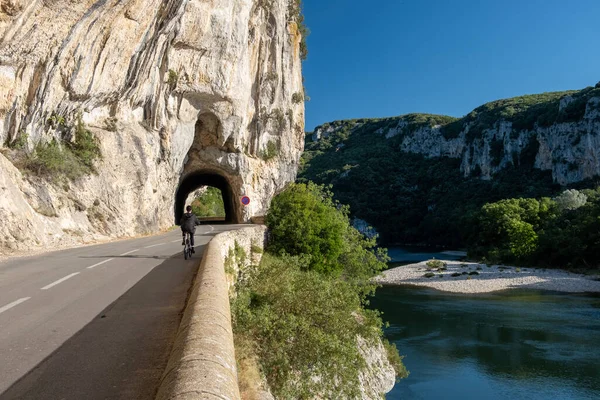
304, 325
305, 220
507, 230
209, 203
570, 199
302, 310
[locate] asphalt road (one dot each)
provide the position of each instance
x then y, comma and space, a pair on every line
94, 322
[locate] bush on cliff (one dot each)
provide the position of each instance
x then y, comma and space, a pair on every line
305, 220
302, 310
56, 159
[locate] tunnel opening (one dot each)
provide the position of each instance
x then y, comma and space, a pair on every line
197, 180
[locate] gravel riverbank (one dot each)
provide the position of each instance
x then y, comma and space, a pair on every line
480, 278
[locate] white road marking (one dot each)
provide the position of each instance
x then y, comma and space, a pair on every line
100, 263
178, 240
61, 280
129, 252
154, 245
211, 228
13, 304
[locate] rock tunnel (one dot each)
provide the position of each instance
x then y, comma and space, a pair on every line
197, 179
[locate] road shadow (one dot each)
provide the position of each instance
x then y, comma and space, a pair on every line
123, 351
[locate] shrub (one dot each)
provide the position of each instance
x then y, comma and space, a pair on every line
473, 273
19, 143
271, 151
71, 159
297, 98
304, 220
429, 275
53, 160
172, 79
85, 146
295, 14
435, 264
256, 249
56, 121
304, 306
305, 325
456, 274
395, 359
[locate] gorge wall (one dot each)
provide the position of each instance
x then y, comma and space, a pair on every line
562, 129
418, 177
179, 93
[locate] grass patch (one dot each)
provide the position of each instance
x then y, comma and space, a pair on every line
429, 275
19, 143
270, 152
172, 79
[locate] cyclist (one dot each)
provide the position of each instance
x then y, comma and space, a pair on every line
188, 224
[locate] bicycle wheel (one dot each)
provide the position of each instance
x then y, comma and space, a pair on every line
186, 247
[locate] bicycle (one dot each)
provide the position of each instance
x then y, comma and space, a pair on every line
187, 249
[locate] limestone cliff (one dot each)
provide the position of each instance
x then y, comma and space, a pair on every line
563, 128
418, 178
179, 93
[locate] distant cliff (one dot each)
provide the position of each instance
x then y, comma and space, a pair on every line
415, 176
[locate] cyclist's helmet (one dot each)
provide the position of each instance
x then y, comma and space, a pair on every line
189, 208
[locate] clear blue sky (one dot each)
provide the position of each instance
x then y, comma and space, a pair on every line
390, 57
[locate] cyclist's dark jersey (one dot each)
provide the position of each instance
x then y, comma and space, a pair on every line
188, 222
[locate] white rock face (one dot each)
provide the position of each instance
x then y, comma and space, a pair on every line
176, 91
379, 377
571, 151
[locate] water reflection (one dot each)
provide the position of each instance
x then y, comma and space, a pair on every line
518, 344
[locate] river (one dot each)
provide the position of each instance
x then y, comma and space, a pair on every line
509, 345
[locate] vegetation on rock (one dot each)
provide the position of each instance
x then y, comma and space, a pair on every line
302, 309
60, 158
412, 199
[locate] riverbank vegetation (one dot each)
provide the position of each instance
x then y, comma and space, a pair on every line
563, 231
302, 310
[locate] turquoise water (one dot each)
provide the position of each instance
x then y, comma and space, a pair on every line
512, 345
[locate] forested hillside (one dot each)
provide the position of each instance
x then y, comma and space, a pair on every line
419, 178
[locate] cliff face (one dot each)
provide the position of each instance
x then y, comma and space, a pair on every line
178, 92
418, 178
569, 147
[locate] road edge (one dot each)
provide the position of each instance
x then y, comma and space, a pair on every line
202, 362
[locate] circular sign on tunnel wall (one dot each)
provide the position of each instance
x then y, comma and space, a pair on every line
245, 200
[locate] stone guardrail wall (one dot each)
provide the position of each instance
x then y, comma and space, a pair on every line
202, 363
